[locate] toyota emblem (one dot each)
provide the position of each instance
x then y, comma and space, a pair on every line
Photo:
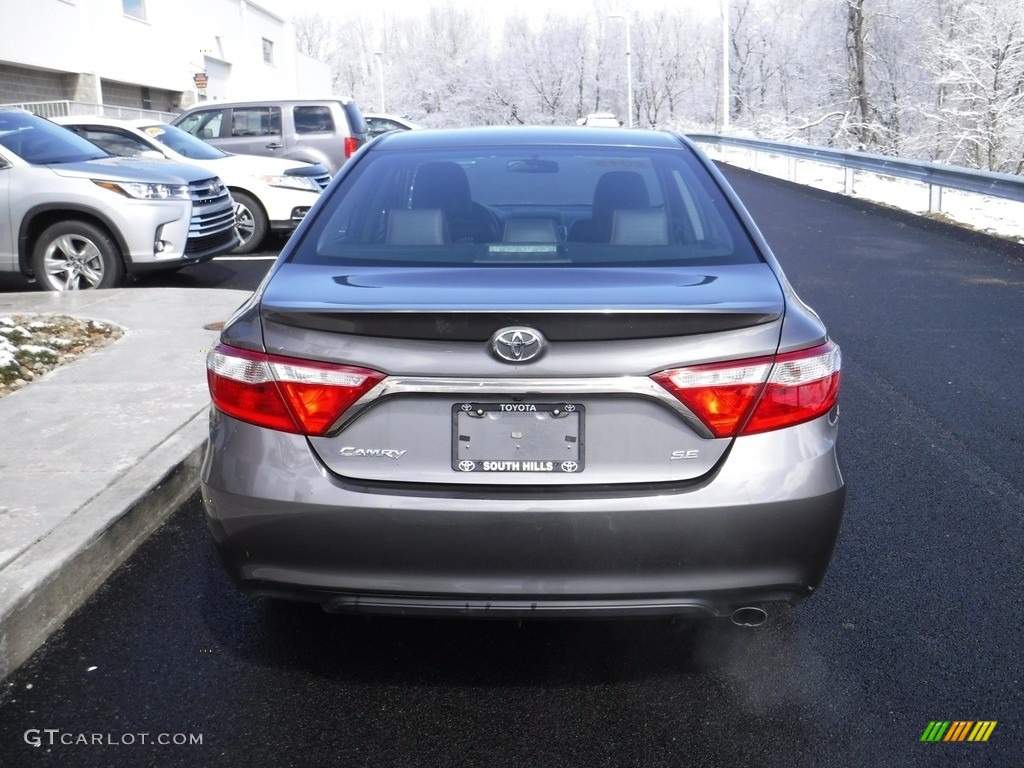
518, 344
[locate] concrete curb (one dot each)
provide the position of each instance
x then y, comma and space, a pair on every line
97, 453
44, 586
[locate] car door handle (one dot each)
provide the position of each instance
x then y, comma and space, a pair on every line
275, 145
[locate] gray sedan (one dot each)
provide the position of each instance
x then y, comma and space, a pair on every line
526, 372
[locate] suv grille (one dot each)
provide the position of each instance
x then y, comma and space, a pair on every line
213, 217
208, 190
198, 245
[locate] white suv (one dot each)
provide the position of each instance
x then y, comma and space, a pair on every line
270, 193
74, 217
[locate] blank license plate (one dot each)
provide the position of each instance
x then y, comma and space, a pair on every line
517, 437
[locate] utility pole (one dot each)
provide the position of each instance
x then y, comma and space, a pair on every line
380, 74
725, 67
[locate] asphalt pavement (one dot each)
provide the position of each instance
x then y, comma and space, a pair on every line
918, 620
96, 453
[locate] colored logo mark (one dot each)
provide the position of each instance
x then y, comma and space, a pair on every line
958, 730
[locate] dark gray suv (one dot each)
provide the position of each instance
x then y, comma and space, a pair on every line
526, 372
325, 131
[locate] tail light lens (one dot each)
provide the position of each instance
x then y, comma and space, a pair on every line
744, 397
304, 397
351, 145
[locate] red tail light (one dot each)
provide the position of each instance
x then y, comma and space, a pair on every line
760, 394
351, 145
301, 396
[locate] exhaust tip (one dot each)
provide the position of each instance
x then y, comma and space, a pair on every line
749, 616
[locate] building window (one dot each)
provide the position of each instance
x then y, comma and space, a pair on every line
134, 8
268, 51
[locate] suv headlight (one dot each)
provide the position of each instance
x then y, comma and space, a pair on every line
306, 183
141, 190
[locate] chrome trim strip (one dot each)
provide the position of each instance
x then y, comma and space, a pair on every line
633, 386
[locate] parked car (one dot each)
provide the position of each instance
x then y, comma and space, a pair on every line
600, 120
379, 124
526, 372
325, 131
72, 216
270, 194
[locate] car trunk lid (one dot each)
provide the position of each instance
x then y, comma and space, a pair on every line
584, 413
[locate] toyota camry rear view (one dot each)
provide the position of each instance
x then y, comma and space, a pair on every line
526, 372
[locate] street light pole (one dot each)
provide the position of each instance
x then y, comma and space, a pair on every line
380, 74
725, 66
629, 69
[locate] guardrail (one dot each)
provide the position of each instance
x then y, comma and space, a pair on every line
65, 108
936, 175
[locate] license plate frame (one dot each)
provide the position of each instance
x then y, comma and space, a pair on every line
514, 437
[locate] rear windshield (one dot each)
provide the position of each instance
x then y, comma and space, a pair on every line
559, 206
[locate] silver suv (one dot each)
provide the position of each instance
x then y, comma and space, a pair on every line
325, 131
72, 216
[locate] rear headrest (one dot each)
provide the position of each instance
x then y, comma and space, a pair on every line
424, 226
648, 227
619, 189
441, 185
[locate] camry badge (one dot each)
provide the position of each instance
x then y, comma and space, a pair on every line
518, 344
371, 453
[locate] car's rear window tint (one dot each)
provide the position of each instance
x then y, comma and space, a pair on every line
314, 119
561, 206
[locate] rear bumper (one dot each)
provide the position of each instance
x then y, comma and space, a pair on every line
760, 530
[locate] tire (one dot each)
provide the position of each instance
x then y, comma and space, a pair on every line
250, 222
75, 255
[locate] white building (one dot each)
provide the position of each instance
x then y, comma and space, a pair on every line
152, 54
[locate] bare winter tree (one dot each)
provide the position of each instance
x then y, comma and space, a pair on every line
749, 60
857, 56
316, 36
934, 79
979, 47
439, 57
673, 53
548, 62
347, 48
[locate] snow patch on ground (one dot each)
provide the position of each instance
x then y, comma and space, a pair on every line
33, 346
992, 215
